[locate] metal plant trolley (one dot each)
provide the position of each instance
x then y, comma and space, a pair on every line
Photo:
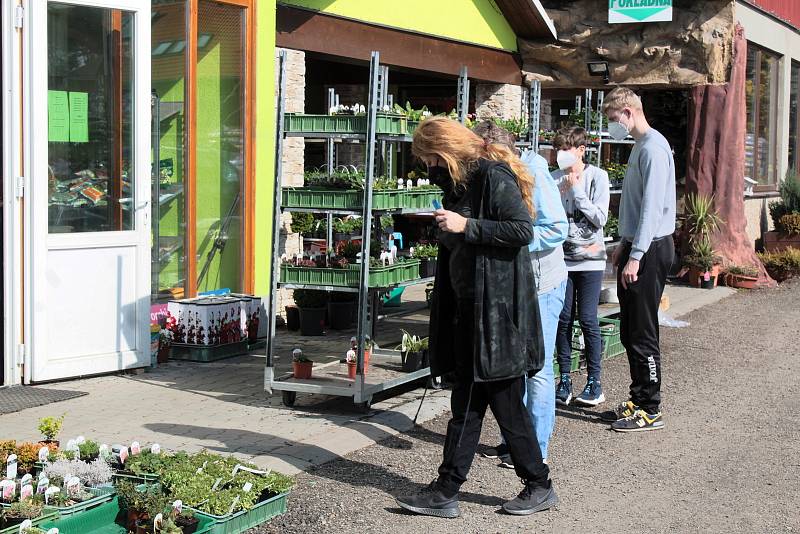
329, 378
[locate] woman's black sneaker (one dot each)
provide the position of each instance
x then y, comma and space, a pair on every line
532, 499
496, 452
432, 500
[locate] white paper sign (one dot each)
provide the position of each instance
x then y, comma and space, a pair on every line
26, 492
11, 466
135, 448
44, 452
27, 479
155, 448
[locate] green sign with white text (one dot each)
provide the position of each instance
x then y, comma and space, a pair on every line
631, 11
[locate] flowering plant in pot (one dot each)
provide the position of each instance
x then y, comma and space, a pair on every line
741, 276
427, 254
301, 365
413, 352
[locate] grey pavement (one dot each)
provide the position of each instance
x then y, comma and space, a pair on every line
222, 406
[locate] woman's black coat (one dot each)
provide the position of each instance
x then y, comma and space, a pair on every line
508, 340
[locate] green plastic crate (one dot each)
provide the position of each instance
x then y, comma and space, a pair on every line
575, 363
611, 338
412, 127
410, 270
419, 199
144, 478
246, 519
38, 522
103, 520
386, 199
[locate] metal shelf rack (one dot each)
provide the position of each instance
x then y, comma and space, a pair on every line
327, 381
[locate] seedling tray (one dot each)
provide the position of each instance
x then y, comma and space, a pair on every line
419, 199
144, 478
45, 517
102, 520
245, 519
199, 353
101, 496
340, 199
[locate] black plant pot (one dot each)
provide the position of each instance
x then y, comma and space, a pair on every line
293, 318
414, 361
708, 284
427, 268
312, 321
340, 315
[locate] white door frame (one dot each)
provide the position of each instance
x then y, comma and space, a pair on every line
38, 240
12, 203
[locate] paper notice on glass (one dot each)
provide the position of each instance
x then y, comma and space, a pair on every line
79, 117
57, 117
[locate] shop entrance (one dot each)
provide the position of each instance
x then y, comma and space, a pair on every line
87, 291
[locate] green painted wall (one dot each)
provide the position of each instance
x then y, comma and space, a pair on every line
472, 21
264, 141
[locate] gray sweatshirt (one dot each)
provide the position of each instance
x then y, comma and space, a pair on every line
647, 208
587, 200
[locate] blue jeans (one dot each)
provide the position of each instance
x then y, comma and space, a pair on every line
583, 289
540, 394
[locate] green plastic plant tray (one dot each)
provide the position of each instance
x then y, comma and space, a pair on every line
44, 518
246, 519
144, 478
318, 198
344, 124
386, 199
412, 127
101, 495
103, 520
378, 276
419, 199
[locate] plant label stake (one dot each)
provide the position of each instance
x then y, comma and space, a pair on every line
72, 446
41, 487
178, 506
11, 466
26, 492
73, 485
49, 492
8, 488
135, 448
233, 504
105, 452
240, 467
155, 448
27, 479
247, 487
123, 455
44, 452
53, 530
158, 521
25, 525
216, 484
80, 440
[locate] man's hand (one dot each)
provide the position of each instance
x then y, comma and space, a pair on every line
449, 221
630, 273
615, 256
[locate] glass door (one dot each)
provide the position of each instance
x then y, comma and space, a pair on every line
88, 289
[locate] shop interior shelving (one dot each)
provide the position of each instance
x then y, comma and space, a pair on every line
328, 378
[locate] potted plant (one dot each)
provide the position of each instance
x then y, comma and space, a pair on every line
301, 365
703, 264
742, 277
340, 309
166, 336
413, 352
50, 428
20, 511
427, 255
785, 214
89, 451
352, 362
292, 318
312, 304
141, 504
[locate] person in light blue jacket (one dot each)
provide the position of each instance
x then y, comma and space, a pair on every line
550, 228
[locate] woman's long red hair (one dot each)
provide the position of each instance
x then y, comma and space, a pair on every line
460, 148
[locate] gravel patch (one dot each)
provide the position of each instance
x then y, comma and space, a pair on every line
727, 460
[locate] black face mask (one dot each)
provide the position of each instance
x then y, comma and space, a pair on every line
439, 175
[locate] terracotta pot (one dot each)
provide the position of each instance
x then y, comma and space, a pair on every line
741, 281
351, 370
775, 241
302, 369
133, 518
187, 524
367, 354
696, 276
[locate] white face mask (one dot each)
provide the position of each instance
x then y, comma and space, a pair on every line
565, 159
617, 130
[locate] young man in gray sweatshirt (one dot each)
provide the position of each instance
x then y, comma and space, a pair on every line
644, 258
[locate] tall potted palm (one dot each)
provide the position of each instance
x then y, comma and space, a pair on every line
702, 221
